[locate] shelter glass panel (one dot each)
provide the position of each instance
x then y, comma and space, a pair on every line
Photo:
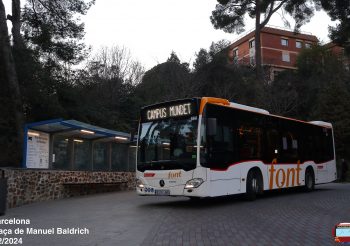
101, 156
132, 159
82, 158
119, 157
61, 153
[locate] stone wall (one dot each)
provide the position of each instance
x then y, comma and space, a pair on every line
31, 185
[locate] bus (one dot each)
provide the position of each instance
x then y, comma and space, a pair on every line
341, 233
209, 147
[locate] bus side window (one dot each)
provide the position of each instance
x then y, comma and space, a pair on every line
329, 145
222, 151
323, 143
220, 148
318, 152
289, 151
249, 140
273, 145
307, 148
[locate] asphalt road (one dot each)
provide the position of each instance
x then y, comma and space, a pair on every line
123, 218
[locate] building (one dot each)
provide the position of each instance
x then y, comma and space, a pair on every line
279, 48
335, 49
339, 52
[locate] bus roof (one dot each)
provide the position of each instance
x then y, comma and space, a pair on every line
249, 108
224, 102
321, 123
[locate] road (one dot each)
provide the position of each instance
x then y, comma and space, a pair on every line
123, 218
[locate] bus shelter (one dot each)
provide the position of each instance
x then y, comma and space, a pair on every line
73, 145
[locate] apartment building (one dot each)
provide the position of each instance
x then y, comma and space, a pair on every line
335, 49
279, 48
338, 51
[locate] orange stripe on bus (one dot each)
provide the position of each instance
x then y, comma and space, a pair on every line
213, 100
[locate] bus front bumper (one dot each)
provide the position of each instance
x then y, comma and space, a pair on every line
178, 190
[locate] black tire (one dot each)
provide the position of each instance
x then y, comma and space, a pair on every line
194, 198
253, 185
309, 180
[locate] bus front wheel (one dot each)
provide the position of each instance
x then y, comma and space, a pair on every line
194, 198
309, 180
253, 185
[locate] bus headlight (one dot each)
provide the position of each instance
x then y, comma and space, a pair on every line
193, 183
139, 184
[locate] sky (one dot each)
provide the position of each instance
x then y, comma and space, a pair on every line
152, 29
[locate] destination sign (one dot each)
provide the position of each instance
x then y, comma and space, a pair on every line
180, 109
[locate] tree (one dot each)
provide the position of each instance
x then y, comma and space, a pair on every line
46, 39
339, 10
229, 15
166, 81
202, 59
15, 18
173, 58
332, 105
320, 88
281, 96
10, 75
218, 47
51, 27
217, 51
105, 89
115, 62
218, 78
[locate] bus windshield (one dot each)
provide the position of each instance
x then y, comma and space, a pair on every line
168, 144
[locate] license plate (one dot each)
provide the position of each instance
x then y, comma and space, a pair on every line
162, 192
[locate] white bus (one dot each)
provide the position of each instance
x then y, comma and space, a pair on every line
208, 147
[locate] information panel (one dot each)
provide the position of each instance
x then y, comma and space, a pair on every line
37, 149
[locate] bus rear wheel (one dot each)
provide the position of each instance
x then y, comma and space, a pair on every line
309, 180
253, 185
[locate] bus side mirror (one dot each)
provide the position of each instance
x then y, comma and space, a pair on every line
211, 126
